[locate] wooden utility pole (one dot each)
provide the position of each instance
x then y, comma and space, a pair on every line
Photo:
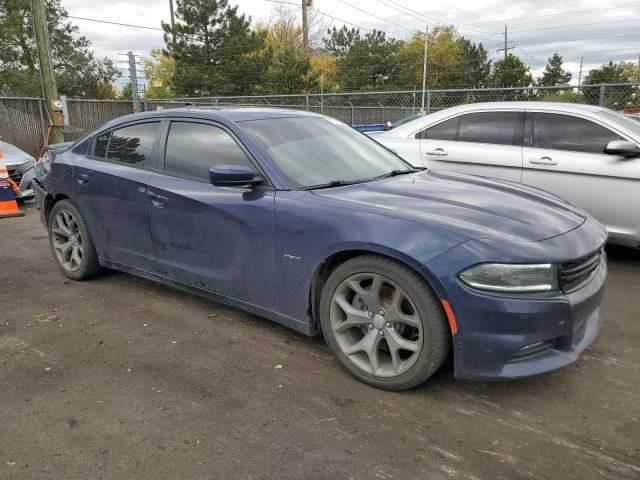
173, 22
506, 48
580, 74
305, 27
49, 90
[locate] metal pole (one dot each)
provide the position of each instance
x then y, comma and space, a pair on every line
305, 28
601, 98
424, 68
134, 82
49, 88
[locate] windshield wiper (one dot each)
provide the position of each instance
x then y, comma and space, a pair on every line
394, 173
332, 183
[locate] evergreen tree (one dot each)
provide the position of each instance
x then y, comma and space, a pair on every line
554, 73
474, 66
511, 72
77, 72
364, 63
290, 72
215, 50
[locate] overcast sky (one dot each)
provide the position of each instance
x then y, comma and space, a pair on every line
598, 30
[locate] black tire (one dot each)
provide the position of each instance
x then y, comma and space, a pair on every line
89, 266
435, 335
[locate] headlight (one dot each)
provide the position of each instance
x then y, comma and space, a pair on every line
512, 278
43, 166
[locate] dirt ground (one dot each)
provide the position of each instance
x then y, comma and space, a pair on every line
121, 378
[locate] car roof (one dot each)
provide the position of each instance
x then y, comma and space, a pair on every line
221, 114
577, 108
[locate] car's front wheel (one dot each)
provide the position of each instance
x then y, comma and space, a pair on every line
70, 242
384, 323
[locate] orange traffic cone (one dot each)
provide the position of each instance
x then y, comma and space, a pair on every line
8, 192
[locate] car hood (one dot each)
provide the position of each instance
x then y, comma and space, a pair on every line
477, 207
13, 156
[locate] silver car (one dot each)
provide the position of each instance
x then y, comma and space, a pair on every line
585, 154
20, 167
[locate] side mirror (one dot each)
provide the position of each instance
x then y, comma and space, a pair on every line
623, 148
233, 176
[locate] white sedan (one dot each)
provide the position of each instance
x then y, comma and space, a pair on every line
20, 167
585, 154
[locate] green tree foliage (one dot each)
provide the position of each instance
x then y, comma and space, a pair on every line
609, 73
554, 74
290, 72
474, 66
511, 72
159, 70
77, 72
215, 50
368, 62
618, 97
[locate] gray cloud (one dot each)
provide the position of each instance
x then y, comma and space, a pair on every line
535, 31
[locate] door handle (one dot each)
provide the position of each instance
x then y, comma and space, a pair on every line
438, 152
83, 178
158, 200
543, 161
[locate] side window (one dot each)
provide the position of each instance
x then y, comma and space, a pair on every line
194, 148
133, 144
564, 132
100, 145
498, 128
446, 130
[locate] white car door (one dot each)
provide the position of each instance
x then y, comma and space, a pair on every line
478, 143
564, 155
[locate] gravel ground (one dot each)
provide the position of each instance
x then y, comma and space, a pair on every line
119, 378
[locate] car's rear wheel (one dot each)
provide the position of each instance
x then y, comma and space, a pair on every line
70, 242
384, 323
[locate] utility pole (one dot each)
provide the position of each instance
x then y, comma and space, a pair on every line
49, 89
506, 48
133, 76
424, 68
305, 26
173, 22
580, 74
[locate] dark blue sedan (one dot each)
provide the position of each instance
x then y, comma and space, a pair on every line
298, 218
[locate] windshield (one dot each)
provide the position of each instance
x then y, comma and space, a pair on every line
317, 151
625, 122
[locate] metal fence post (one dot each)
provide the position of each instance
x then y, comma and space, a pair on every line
601, 98
428, 102
306, 101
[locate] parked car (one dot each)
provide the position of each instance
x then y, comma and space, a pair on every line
585, 154
300, 219
20, 167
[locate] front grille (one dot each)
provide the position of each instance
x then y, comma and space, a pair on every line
574, 274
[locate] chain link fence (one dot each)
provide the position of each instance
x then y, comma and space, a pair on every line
23, 121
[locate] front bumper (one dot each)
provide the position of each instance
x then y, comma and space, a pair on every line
508, 337
24, 180
41, 198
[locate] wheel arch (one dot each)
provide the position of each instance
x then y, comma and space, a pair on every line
50, 201
332, 261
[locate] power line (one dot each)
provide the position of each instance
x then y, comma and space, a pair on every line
379, 18
577, 25
573, 12
115, 23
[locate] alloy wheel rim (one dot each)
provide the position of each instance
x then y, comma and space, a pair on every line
376, 324
67, 240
